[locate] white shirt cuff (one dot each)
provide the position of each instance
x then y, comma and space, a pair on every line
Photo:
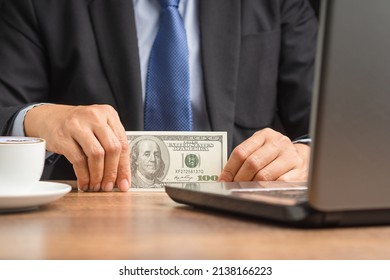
302, 141
18, 125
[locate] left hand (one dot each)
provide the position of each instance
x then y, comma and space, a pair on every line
267, 156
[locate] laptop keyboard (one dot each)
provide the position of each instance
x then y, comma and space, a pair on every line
296, 194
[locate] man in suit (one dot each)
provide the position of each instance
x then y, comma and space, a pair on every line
253, 77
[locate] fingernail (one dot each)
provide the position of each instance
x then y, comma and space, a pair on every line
96, 188
83, 188
108, 187
124, 185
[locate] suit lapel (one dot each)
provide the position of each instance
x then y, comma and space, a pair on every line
220, 28
114, 27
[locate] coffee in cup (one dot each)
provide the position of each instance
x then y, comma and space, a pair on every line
22, 161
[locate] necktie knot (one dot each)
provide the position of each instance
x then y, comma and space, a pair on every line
169, 3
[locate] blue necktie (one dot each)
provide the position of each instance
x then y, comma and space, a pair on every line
167, 100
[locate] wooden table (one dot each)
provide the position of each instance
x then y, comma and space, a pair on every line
149, 225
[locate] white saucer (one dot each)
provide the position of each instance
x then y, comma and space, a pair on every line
41, 193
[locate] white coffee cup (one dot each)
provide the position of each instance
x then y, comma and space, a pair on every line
22, 160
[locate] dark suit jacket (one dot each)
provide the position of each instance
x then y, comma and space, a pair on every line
257, 58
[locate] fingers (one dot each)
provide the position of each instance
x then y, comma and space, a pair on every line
239, 156
102, 150
276, 168
124, 174
267, 155
80, 166
256, 162
108, 156
106, 160
123, 179
300, 173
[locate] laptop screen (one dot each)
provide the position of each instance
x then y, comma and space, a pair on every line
351, 107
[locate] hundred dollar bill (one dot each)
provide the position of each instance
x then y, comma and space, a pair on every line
165, 157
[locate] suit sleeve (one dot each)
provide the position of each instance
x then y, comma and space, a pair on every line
296, 69
23, 66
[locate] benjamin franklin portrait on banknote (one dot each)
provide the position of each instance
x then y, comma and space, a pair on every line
148, 166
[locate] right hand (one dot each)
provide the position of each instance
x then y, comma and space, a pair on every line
91, 137
267, 155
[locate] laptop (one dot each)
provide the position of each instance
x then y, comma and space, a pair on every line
349, 177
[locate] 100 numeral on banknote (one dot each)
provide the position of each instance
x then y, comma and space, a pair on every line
167, 157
